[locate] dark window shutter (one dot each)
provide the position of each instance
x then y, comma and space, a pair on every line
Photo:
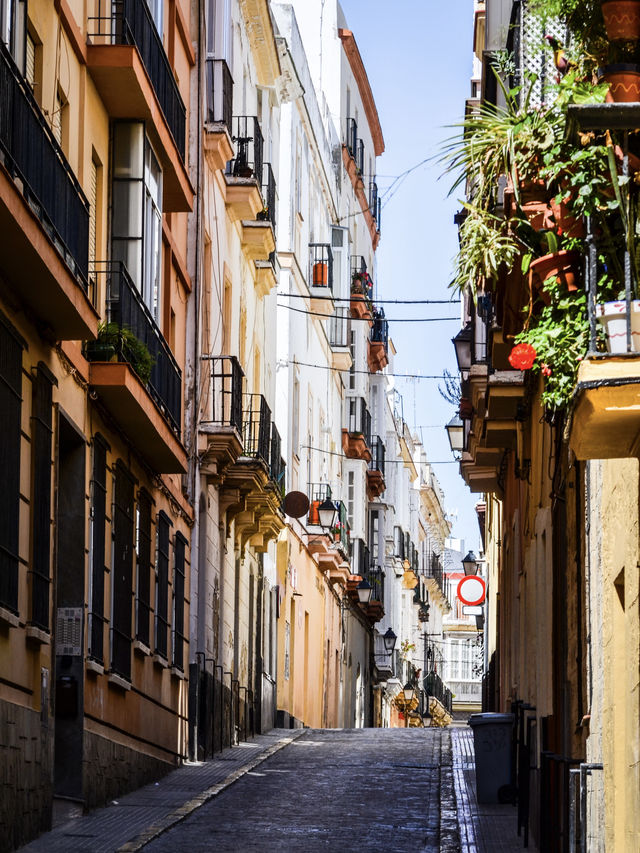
179, 548
143, 585
98, 542
10, 425
122, 572
41, 432
162, 585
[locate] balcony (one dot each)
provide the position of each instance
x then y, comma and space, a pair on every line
218, 147
133, 76
361, 304
44, 216
362, 569
375, 203
338, 333
375, 577
375, 472
437, 581
258, 237
353, 157
221, 429
253, 486
320, 278
135, 374
357, 436
244, 173
331, 548
378, 346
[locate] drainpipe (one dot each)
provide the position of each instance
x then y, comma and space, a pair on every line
585, 770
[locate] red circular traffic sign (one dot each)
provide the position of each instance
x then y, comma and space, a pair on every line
471, 590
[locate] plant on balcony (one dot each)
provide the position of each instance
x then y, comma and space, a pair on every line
118, 343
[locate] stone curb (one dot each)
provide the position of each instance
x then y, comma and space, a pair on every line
178, 815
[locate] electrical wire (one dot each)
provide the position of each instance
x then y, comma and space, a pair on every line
377, 301
366, 319
386, 462
284, 361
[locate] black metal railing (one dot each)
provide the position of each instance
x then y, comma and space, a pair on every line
380, 329
40, 600
433, 569
219, 93
126, 310
375, 577
131, 22
359, 421
31, 154
358, 265
351, 137
318, 493
377, 454
268, 189
121, 653
342, 529
256, 428
276, 462
320, 265
373, 197
398, 542
434, 686
338, 328
359, 558
361, 283
227, 383
249, 149
359, 158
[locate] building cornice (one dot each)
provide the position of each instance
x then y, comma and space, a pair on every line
359, 72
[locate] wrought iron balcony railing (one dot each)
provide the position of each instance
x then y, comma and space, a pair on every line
359, 557
219, 93
131, 22
276, 462
268, 189
375, 577
373, 198
398, 542
126, 310
358, 265
359, 420
343, 530
248, 161
31, 154
256, 428
359, 157
377, 454
227, 383
318, 493
351, 137
434, 686
321, 265
338, 328
380, 329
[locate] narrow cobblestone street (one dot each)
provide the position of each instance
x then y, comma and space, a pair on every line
333, 790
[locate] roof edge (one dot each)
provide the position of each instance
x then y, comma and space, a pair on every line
359, 72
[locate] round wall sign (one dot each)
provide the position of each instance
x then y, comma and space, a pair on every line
471, 590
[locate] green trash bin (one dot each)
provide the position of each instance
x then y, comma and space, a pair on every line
492, 740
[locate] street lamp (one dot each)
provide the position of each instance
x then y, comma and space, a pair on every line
327, 514
364, 591
470, 564
455, 432
462, 345
408, 692
389, 639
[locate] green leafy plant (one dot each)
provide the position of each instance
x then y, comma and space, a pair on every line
487, 243
119, 341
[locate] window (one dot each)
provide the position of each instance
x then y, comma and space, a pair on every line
41, 432
143, 567
374, 528
30, 62
98, 516
351, 496
295, 418
352, 369
162, 584
10, 420
122, 572
156, 7
136, 224
13, 25
179, 547
219, 41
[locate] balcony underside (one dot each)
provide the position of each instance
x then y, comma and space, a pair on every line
266, 278
257, 239
354, 446
605, 422
218, 148
321, 301
127, 93
250, 500
479, 478
129, 404
505, 394
242, 198
375, 484
219, 448
359, 308
33, 269
377, 356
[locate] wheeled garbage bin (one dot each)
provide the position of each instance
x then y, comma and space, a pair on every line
492, 739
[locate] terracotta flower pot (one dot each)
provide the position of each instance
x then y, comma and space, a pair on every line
568, 224
613, 316
624, 82
621, 19
320, 274
533, 191
565, 266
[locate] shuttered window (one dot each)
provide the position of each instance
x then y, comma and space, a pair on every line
10, 423
122, 572
93, 203
41, 432
162, 584
30, 62
179, 550
143, 567
98, 519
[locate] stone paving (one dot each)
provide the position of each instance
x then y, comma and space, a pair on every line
370, 790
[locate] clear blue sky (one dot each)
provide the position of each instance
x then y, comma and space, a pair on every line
418, 56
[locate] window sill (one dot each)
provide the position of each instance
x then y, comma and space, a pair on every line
140, 648
176, 672
160, 661
37, 635
94, 667
9, 618
119, 682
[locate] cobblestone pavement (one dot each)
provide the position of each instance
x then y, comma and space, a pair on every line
369, 790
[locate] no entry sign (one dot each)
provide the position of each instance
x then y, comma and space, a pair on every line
471, 590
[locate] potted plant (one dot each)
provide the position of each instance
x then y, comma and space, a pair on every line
320, 274
614, 319
621, 19
119, 343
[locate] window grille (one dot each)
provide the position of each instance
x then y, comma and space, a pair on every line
179, 547
41, 432
143, 567
122, 572
162, 584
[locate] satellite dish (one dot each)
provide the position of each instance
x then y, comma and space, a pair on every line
296, 504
